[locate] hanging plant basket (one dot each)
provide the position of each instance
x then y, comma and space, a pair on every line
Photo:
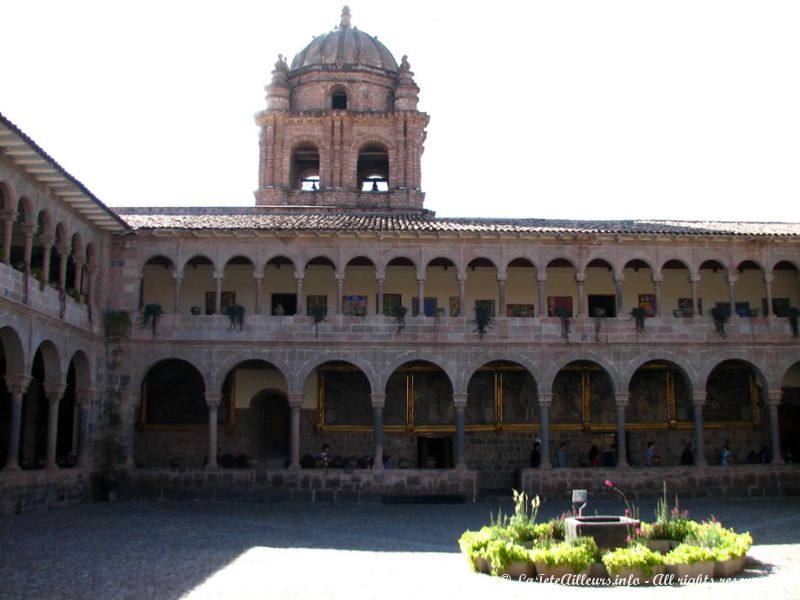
235, 313
639, 315
563, 314
150, 316
117, 325
400, 317
720, 316
483, 321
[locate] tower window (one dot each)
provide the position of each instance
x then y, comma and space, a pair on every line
373, 168
339, 100
305, 168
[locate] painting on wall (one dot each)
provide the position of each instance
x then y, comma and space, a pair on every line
354, 306
226, 299
391, 302
429, 306
455, 306
685, 307
648, 303
556, 303
316, 301
486, 305
520, 310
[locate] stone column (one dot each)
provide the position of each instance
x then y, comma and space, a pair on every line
619, 280
16, 387
295, 404
63, 255
76, 427
54, 393
379, 281
84, 401
732, 285
27, 230
501, 295
621, 402
339, 292
768, 279
378, 401
698, 401
580, 280
176, 302
258, 279
695, 281
301, 301
540, 281
129, 404
460, 402
218, 277
91, 277
657, 290
462, 294
9, 217
77, 279
421, 296
212, 400
773, 402
545, 401
47, 248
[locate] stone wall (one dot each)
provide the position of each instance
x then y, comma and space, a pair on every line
315, 485
712, 481
25, 491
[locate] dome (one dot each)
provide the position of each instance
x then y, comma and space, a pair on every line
345, 46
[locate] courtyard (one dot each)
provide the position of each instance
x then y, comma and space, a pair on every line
164, 549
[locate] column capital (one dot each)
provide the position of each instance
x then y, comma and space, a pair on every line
501, 280
177, 275
295, 399
694, 278
47, 239
461, 278
84, 397
619, 277
219, 276
28, 228
299, 276
420, 279
213, 399
699, 398
460, 400
18, 384
621, 399
541, 277
339, 276
580, 278
657, 279
545, 400
774, 397
54, 391
378, 400
63, 250
768, 278
731, 278
258, 274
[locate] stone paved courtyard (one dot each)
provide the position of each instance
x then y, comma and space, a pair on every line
200, 550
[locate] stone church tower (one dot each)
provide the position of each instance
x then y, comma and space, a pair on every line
341, 128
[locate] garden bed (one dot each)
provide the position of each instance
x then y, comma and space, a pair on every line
672, 549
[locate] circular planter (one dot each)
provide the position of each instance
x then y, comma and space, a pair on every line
556, 571
698, 570
481, 565
519, 568
662, 546
637, 576
728, 568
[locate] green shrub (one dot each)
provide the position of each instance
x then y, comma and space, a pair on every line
725, 543
578, 554
500, 553
687, 554
634, 556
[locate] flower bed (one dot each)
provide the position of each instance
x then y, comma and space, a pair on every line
517, 547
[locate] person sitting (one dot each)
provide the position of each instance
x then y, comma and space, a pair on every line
651, 457
725, 456
536, 455
687, 456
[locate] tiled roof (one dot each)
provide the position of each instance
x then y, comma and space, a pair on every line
261, 219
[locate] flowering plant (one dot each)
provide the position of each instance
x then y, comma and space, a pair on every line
630, 511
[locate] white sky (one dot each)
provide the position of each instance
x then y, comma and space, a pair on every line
584, 109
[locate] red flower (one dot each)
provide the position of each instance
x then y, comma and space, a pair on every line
609, 484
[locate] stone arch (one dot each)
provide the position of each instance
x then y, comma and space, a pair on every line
483, 357
45, 222
339, 96
375, 166
546, 383
83, 370
7, 196
54, 373
16, 363
781, 368
231, 362
328, 256
197, 256
413, 356
762, 372
680, 361
140, 372
297, 382
390, 256
305, 166
26, 210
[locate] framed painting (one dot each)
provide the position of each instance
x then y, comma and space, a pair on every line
429, 306
391, 302
556, 303
455, 306
487, 305
315, 301
226, 299
685, 306
520, 310
354, 306
648, 303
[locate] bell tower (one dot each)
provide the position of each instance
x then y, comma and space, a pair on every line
341, 128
